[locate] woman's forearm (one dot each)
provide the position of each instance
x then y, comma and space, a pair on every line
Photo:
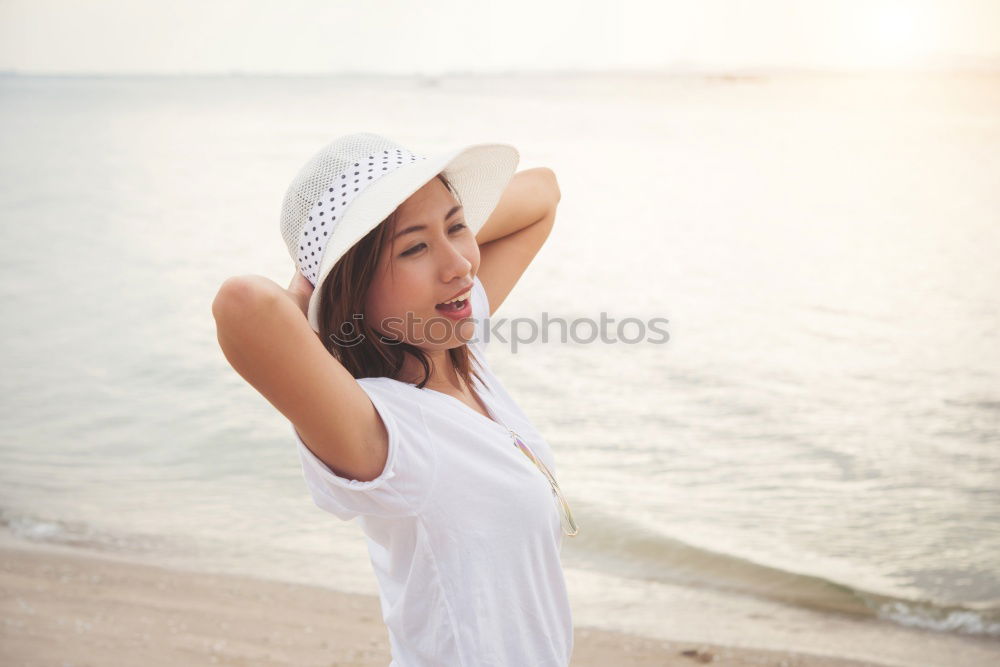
529, 197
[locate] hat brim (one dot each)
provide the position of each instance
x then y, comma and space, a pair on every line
479, 173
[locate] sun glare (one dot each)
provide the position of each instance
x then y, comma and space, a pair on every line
891, 34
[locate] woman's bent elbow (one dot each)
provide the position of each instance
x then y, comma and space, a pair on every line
238, 300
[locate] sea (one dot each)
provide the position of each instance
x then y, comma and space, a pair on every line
808, 459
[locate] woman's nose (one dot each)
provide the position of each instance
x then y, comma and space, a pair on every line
455, 264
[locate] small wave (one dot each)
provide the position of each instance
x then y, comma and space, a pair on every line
629, 550
81, 535
982, 404
943, 619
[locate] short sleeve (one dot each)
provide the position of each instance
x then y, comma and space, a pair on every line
481, 316
405, 482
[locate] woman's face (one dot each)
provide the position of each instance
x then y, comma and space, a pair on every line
431, 258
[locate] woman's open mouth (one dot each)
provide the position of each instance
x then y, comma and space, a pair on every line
456, 310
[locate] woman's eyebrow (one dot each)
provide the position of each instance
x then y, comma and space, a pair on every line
417, 228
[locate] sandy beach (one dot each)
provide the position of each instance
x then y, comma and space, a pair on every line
61, 608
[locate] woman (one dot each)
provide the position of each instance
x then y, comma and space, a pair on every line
397, 418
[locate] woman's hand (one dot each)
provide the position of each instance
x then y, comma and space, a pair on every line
299, 290
529, 196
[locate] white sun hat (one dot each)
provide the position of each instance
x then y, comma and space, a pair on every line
353, 183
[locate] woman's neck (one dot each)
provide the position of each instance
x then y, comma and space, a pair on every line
442, 377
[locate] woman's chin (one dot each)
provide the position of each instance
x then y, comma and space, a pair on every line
461, 333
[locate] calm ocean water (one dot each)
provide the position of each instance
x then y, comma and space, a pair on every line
821, 432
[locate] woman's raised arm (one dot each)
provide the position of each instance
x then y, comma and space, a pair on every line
265, 336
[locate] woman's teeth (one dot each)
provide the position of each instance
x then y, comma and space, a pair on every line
452, 305
460, 297
455, 304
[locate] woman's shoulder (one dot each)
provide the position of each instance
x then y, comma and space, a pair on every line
383, 386
395, 393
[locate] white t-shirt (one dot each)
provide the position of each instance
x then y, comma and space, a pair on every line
462, 528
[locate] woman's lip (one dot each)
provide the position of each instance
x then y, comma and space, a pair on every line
464, 290
460, 314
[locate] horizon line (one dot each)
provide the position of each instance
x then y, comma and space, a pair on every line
987, 66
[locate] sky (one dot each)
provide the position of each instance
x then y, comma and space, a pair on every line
440, 36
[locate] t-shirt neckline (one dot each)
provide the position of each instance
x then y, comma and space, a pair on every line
462, 405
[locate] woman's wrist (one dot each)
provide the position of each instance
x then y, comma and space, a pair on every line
300, 300
299, 291
529, 196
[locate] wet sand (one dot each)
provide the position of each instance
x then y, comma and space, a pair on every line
61, 608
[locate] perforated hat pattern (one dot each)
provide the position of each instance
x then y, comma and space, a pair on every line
325, 187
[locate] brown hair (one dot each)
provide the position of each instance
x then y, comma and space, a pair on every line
343, 296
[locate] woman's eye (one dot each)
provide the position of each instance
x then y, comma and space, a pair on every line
413, 249
417, 247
